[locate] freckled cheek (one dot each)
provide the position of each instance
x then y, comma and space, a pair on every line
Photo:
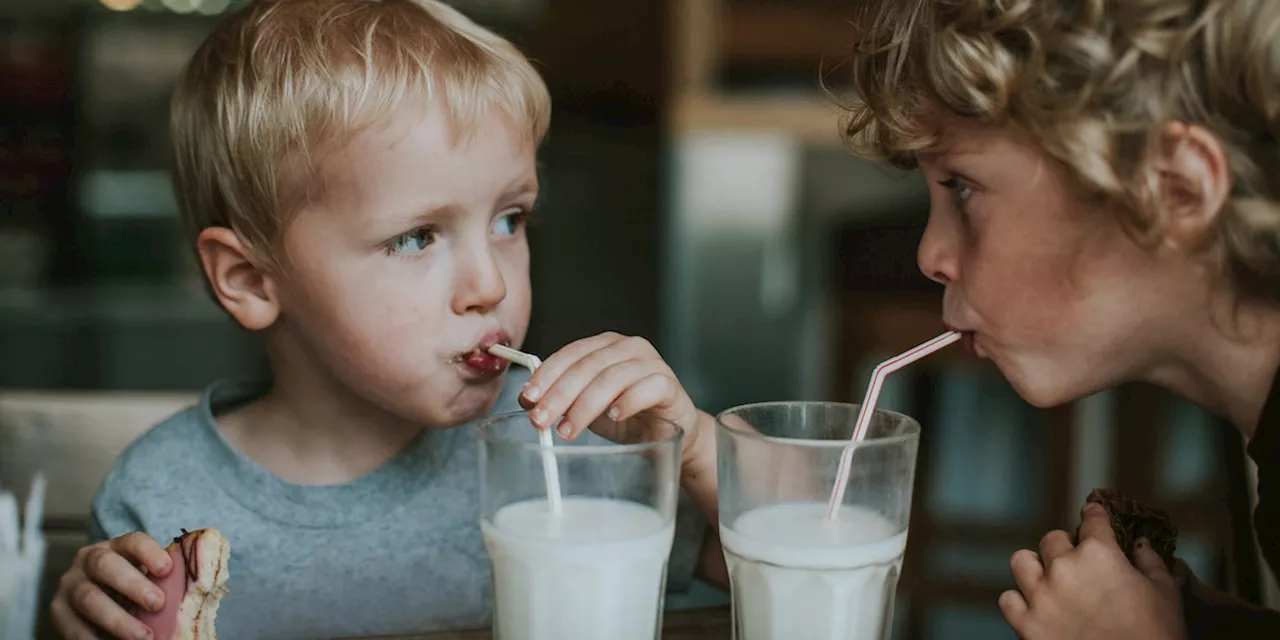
515, 276
1019, 302
377, 316
513, 261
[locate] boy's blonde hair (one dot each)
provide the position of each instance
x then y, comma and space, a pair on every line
283, 81
1090, 81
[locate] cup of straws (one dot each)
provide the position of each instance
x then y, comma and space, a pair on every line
22, 549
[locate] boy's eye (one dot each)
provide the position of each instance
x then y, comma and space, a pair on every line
960, 193
509, 224
412, 242
959, 190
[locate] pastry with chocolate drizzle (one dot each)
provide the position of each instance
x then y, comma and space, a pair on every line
193, 588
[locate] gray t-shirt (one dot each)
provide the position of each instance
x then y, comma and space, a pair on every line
396, 551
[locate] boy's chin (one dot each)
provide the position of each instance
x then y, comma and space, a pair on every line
472, 403
1041, 389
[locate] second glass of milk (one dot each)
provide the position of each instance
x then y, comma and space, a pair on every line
597, 568
794, 572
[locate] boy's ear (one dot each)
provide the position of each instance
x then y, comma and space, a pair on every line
1193, 181
247, 291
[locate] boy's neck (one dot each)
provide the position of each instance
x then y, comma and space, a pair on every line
310, 429
1228, 361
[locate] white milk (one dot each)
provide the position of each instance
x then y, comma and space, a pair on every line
596, 571
795, 575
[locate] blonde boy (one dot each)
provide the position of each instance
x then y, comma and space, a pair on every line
357, 175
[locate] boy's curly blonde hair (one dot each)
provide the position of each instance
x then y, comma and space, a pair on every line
1090, 81
284, 81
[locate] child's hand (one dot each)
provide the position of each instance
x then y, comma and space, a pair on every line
609, 375
624, 379
1091, 590
84, 603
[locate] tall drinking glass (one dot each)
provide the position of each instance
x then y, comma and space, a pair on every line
596, 569
794, 572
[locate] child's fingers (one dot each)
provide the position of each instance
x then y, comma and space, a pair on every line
1096, 524
1150, 563
1054, 545
564, 390
654, 389
96, 607
1027, 570
144, 550
559, 362
110, 569
67, 623
600, 394
1182, 573
1014, 608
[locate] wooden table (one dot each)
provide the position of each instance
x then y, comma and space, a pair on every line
694, 624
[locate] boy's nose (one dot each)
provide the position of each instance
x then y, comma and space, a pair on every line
480, 285
936, 256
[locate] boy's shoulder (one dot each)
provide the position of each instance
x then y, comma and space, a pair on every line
168, 461
175, 451
181, 448
153, 452
181, 440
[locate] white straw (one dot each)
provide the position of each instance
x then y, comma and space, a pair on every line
881, 372
10, 525
34, 514
550, 470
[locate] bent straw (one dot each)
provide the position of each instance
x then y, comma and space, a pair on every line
881, 372
550, 470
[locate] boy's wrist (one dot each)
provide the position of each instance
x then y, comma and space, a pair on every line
699, 453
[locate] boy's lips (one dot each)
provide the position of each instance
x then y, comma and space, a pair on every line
968, 340
480, 361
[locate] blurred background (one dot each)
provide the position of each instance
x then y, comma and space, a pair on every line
695, 193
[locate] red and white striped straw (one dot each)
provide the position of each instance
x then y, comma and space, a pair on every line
881, 372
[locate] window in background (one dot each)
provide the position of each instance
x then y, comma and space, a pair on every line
128, 65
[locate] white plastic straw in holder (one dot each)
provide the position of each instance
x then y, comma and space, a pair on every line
550, 471
22, 555
868, 408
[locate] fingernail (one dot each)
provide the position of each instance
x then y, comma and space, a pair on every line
153, 601
614, 413
143, 635
1141, 543
565, 429
539, 417
532, 393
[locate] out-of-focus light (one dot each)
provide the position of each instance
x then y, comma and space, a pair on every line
121, 5
182, 6
212, 7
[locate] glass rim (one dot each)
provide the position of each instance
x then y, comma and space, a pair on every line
484, 433
913, 426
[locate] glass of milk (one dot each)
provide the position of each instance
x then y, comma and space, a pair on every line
596, 569
794, 572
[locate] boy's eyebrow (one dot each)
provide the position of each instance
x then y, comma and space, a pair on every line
521, 186
436, 211
946, 156
427, 212
956, 140
943, 160
930, 156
